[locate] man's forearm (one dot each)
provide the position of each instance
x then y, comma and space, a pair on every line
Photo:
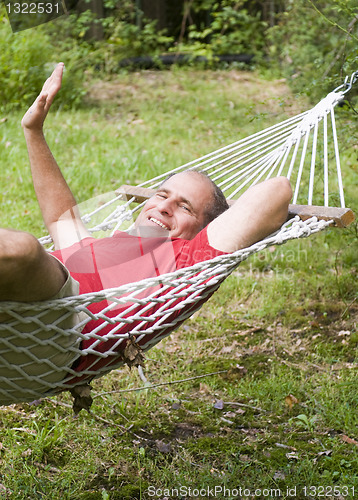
52, 191
260, 211
57, 203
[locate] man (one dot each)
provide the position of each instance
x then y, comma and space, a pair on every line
178, 213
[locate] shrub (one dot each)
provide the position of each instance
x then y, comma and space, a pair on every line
26, 60
313, 44
230, 29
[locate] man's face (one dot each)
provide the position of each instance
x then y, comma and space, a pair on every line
178, 208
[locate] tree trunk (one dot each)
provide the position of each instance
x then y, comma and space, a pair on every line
95, 29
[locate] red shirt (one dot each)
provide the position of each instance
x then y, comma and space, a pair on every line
99, 264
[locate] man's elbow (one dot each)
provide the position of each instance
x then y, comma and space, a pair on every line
282, 188
283, 195
285, 190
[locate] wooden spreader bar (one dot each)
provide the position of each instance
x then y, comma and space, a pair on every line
342, 217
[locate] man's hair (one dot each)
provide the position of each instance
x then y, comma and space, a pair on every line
218, 204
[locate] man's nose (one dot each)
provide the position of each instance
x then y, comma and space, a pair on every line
165, 206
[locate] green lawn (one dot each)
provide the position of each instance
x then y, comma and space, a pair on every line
281, 415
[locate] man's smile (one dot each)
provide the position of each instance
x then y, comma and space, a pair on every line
159, 223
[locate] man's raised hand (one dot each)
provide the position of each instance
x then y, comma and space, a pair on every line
35, 116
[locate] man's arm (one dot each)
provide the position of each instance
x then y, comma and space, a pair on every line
260, 211
57, 203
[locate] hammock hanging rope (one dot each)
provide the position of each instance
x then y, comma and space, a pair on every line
40, 362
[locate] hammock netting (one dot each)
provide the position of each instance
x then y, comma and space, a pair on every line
39, 361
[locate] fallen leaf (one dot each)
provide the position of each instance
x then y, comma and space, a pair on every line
219, 404
280, 445
133, 354
291, 401
4, 490
139, 121
204, 389
254, 329
229, 348
82, 399
227, 421
326, 453
36, 402
236, 371
343, 333
279, 475
172, 349
348, 440
230, 414
163, 447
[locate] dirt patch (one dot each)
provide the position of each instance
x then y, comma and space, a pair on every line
272, 96
133, 86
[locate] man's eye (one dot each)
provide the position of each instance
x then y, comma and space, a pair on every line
186, 208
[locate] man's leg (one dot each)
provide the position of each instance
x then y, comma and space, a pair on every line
27, 272
33, 359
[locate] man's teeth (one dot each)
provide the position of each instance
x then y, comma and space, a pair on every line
156, 221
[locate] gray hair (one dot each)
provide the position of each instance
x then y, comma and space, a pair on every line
218, 204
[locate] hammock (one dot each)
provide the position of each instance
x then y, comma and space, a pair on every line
40, 362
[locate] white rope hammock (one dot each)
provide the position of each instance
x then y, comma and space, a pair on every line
39, 362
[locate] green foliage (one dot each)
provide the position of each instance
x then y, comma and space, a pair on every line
311, 43
125, 34
23, 61
232, 29
314, 43
26, 60
129, 40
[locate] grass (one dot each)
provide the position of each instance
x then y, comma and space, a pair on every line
282, 330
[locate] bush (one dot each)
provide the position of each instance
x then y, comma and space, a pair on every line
230, 29
128, 40
26, 60
22, 64
313, 45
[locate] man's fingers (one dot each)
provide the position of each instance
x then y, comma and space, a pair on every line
51, 87
53, 82
37, 113
57, 74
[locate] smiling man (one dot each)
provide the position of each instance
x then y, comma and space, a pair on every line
178, 206
185, 222
183, 205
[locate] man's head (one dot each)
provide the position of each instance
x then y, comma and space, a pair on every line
183, 205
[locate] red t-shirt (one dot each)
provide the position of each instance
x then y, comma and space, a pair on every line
99, 264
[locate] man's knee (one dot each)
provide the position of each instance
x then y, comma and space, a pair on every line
19, 252
27, 272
